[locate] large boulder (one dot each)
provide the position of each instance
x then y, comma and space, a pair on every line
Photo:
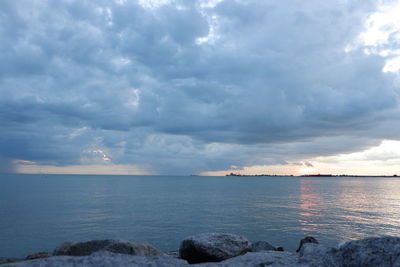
213, 247
372, 251
261, 246
104, 259
116, 246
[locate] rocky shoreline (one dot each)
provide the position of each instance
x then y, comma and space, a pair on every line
214, 249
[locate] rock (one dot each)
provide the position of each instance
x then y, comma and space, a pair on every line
261, 246
373, 251
134, 248
312, 249
38, 255
116, 246
258, 259
308, 239
9, 260
213, 247
104, 259
312, 254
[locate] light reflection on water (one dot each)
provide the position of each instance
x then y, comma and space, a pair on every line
38, 212
352, 208
310, 207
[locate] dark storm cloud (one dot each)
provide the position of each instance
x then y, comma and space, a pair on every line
186, 88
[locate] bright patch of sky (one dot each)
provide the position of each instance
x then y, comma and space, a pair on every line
210, 3
383, 159
382, 34
152, 4
115, 169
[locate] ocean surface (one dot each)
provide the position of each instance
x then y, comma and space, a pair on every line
39, 212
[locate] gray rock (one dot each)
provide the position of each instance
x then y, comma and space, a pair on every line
373, 251
104, 259
38, 255
312, 254
258, 259
116, 246
261, 246
213, 247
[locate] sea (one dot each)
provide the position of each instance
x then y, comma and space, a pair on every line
39, 212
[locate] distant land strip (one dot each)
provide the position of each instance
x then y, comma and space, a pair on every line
309, 175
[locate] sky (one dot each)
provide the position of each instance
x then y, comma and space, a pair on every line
209, 87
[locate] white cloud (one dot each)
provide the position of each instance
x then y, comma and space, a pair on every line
382, 25
382, 35
152, 4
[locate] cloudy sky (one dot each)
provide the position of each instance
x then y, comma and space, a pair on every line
200, 86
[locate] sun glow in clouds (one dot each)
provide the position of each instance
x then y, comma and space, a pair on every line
380, 160
306, 170
388, 151
383, 159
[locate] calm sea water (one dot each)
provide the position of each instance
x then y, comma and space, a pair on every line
38, 212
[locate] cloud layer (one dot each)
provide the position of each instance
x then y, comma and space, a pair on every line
189, 86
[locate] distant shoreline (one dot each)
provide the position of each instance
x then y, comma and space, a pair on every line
308, 175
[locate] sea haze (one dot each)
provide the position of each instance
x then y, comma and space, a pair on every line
38, 212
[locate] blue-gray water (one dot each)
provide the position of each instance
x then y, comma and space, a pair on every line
38, 212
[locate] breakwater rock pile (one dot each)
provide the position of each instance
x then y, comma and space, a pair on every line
213, 249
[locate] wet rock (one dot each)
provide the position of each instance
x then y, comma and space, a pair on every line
116, 246
373, 251
261, 246
104, 259
213, 247
258, 259
38, 255
308, 239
